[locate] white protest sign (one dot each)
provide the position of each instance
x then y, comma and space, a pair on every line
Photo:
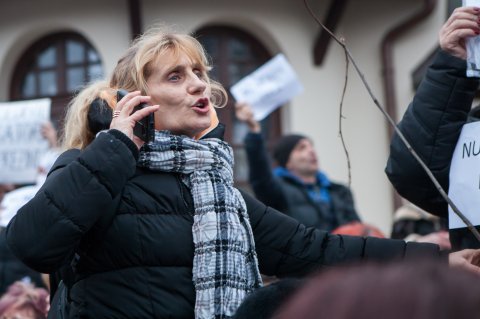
268, 87
464, 189
21, 142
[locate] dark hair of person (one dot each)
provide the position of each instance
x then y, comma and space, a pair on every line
265, 301
425, 290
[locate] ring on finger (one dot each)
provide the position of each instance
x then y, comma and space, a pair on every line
116, 114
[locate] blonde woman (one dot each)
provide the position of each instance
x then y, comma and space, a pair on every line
157, 228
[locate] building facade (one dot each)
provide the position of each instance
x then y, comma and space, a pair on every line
85, 39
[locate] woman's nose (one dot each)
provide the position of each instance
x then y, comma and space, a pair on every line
197, 85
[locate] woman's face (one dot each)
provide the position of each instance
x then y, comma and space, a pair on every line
180, 88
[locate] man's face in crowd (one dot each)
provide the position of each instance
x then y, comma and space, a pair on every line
303, 160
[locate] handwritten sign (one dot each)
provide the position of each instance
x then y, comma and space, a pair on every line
464, 189
21, 142
271, 85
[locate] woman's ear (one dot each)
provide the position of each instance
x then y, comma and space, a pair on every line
213, 124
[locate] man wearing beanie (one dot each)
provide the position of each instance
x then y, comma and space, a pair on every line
296, 186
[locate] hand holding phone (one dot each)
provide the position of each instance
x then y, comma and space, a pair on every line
145, 128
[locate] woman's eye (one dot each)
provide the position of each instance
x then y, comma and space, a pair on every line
174, 77
199, 74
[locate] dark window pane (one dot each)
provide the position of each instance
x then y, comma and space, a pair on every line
210, 44
75, 78
238, 49
234, 73
213, 74
28, 85
47, 58
240, 130
75, 52
95, 72
93, 56
48, 83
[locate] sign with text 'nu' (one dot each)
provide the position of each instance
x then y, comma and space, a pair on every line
21, 141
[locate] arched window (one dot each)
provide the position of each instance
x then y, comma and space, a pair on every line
55, 66
235, 54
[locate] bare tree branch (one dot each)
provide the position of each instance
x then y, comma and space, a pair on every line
340, 117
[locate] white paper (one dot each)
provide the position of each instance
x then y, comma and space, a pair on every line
14, 200
271, 85
473, 47
21, 141
464, 189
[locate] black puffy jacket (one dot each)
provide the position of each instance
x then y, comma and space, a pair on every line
432, 124
12, 269
133, 231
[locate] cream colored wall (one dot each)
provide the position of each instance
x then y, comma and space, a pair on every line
283, 26
365, 127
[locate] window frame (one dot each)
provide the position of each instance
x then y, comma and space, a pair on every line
28, 63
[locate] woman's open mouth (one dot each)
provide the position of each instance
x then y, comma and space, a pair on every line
201, 106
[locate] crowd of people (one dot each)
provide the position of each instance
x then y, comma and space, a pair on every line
133, 228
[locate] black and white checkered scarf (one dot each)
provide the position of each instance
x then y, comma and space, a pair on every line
225, 266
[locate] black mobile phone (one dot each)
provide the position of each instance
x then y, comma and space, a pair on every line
145, 128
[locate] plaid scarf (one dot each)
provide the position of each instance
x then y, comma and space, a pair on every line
225, 266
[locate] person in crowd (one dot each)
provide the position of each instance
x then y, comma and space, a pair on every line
4, 189
359, 229
155, 229
411, 223
433, 122
296, 186
11, 268
420, 290
24, 301
15, 199
265, 301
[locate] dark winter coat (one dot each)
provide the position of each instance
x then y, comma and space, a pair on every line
12, 269
140, 265
289, 196
432, 125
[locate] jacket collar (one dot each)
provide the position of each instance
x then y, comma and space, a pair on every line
217, 132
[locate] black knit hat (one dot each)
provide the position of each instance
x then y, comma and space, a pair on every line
284, 147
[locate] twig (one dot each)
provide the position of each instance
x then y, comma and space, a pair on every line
397, 130
340, 117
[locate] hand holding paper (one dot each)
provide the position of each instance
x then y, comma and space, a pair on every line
461, 33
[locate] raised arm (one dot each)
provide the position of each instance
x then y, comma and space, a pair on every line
433, 121
264, 184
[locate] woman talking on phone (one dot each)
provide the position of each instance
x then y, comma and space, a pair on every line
156, 228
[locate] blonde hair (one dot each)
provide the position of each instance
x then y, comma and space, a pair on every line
77, 133
131, 73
